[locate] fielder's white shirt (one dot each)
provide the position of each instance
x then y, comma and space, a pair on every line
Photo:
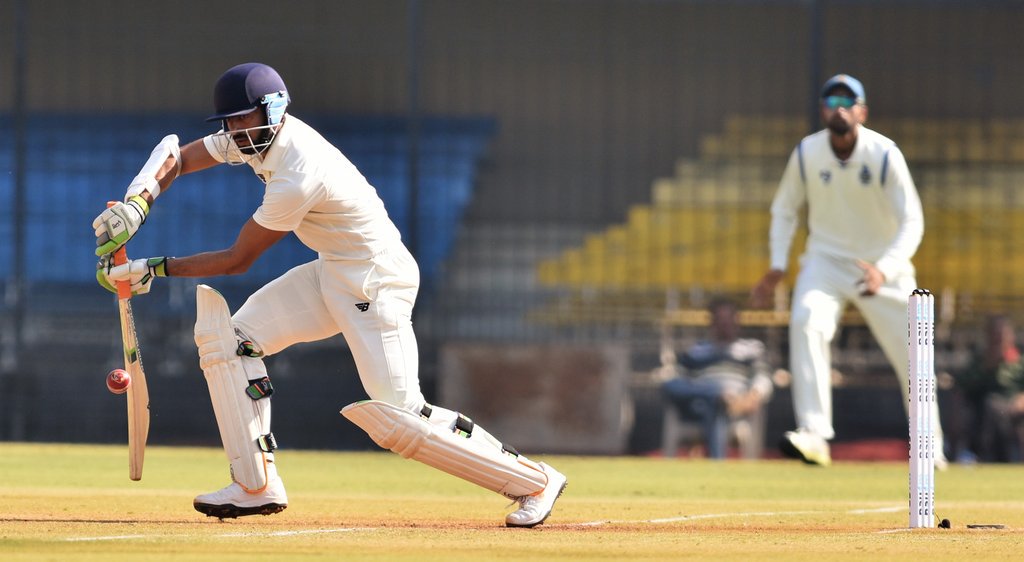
866, 207
315, 192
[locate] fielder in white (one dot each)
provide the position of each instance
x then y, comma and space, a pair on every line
865, 224
363, 285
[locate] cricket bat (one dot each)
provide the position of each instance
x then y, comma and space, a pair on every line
138, 394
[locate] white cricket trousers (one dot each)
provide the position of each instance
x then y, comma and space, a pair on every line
824, 286
368, 301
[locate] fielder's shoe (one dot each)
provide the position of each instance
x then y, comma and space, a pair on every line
806, 446
533, 510
233, 501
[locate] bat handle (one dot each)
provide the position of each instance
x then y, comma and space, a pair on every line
124, 288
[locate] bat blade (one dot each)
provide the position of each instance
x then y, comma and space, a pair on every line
138, 393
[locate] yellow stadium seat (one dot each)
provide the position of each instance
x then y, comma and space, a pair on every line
707, 226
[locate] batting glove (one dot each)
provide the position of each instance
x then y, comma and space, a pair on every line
140, 273
116, 225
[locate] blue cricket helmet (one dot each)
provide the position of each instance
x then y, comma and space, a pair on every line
244, 88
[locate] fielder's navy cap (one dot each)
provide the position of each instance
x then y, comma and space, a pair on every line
241, 89
847, 81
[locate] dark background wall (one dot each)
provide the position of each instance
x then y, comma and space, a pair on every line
594, 98
590, 100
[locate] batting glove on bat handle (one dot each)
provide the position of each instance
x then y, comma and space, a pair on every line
116, 225
140, 273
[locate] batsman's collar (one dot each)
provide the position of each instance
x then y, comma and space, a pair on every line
272, 160
847, 81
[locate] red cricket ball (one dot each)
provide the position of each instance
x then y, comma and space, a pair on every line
118, 381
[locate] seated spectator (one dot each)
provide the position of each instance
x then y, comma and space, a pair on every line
990, 397
720, 379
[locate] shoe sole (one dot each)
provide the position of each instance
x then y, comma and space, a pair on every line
546, 515
790, 450
228, 511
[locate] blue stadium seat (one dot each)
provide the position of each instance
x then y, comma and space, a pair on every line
82, 161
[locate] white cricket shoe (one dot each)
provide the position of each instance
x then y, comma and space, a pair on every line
232, 501
533, 510
806, 446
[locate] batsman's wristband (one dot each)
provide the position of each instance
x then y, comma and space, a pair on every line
140, 204
157, 266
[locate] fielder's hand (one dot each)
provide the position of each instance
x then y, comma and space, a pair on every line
117, 224
763, 294
872, 280
140, 273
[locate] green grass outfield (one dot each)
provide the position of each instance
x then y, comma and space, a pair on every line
75, 502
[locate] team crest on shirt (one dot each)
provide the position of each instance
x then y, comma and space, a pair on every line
865, 175
825, 176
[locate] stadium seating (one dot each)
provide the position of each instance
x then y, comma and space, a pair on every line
705, 230
75, 163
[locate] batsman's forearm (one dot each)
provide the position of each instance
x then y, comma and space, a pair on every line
207, 264
193, 157
252, 241
168, 173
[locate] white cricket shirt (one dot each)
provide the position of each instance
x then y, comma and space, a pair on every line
315, 192
864, 208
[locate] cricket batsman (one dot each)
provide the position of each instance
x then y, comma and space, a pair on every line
363, 285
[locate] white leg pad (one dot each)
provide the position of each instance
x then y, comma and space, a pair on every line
242, 421
473, 460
